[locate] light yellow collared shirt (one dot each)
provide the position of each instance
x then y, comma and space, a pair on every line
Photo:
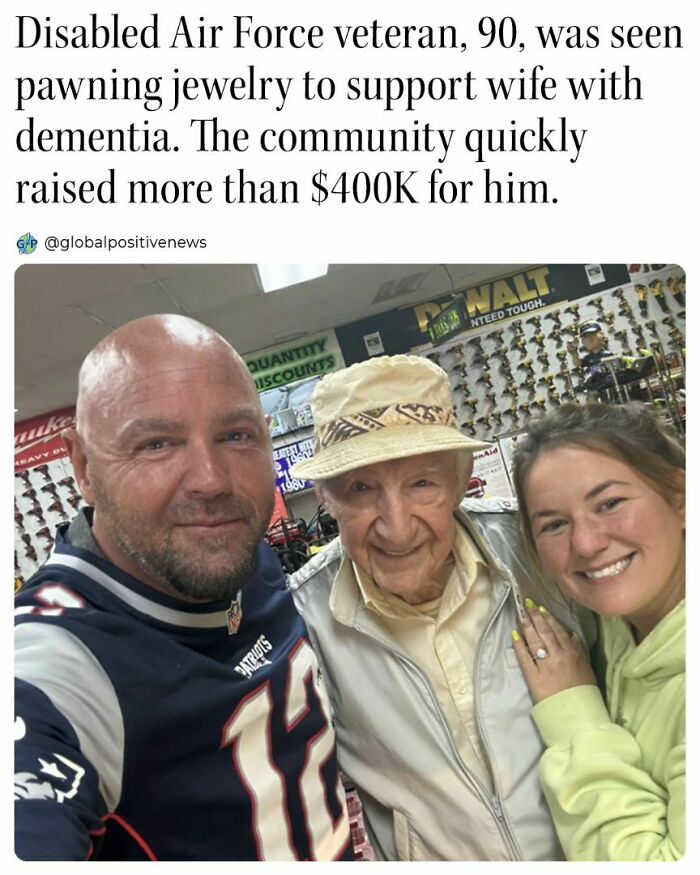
441, 637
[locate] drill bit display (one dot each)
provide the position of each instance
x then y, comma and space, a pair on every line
51, 489
641, 291
657, 290
37, 512
74, 501
556, 334
504, 369
676, 287
69, 483
45, 535
528, 385
519, 344
29, 550
504, 374
597, 303
30, 494
496, 335
624, 339
44, 471
56, 507
639, 334
24, 476
555, 317
527, 365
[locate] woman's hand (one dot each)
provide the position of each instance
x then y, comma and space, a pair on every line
551, 659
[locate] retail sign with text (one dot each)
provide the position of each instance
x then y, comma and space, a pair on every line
287, 456
39, 440
278, 367
497, 300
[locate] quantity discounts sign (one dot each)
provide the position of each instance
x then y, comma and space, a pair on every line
283, 365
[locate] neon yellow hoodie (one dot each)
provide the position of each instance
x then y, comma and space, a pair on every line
616, 784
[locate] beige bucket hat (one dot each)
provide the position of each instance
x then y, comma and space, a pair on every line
386, 408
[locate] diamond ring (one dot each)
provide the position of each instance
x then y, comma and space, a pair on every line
541, 653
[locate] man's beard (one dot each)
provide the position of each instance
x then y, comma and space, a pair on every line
184, 568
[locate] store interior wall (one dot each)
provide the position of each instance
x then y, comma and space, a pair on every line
507, 307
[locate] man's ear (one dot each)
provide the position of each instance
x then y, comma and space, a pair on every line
680, 506
465, 467
78, 458
324, 499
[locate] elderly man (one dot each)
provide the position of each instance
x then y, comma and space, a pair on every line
168, 703
411, 612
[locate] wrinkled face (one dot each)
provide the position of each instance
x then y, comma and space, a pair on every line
593, 342
179, 470
612, 542
396, 520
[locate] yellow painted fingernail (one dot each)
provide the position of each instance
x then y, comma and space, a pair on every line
516, 635
529, 603
542, 609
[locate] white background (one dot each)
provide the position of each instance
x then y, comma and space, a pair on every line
631, 196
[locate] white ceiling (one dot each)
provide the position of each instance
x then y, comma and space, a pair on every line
62, 311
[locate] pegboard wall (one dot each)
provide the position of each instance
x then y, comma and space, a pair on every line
503, 374
45, 496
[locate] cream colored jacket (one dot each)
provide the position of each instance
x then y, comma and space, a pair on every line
420, 801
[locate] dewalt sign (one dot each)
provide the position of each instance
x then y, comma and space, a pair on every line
496, 300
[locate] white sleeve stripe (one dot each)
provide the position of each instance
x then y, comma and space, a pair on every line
64, 669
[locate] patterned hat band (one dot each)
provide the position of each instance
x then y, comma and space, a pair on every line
354, 424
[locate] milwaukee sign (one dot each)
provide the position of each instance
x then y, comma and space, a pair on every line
39, 440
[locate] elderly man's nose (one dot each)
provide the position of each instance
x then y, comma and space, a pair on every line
394, 518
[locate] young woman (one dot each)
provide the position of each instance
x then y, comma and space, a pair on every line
601, 491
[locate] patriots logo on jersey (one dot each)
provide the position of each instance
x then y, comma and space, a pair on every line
234, 615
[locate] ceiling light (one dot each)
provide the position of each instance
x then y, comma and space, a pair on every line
279, 276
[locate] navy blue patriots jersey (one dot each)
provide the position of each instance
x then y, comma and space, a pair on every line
150, 728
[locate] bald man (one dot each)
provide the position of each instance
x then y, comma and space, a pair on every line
168, 704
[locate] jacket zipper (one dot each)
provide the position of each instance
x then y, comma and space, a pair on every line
496, 800
493, 803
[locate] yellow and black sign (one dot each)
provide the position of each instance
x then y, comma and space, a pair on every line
497, 300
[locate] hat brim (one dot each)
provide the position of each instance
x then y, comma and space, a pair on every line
383, 445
